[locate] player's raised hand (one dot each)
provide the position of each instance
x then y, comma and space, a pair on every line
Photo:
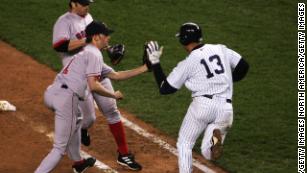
154, 52
118, 95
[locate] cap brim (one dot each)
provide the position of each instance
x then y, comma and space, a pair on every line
108, 32
111, 31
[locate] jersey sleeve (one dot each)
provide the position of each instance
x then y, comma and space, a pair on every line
106, 70
179, 74
89, 19
61, 32
233, 57
94, 65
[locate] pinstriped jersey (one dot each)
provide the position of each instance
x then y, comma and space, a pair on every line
82, 65
69, 26
206, 70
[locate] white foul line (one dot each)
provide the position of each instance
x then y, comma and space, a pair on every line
162, 143
43, 130
98, 164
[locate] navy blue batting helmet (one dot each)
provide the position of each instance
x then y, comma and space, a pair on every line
189, 32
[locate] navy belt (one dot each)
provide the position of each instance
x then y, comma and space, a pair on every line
64, 86
211, 96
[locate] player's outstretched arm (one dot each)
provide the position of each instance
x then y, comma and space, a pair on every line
154, 52
123, 75
96, 87
164, 86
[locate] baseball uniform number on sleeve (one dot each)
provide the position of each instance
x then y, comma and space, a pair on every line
218, 62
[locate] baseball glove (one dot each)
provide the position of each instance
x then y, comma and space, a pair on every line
146, 58
116, 53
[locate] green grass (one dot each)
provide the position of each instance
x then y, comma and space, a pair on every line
263, 137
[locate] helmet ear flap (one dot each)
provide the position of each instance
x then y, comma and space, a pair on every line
184, 40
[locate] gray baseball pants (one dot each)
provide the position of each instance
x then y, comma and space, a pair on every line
67, 127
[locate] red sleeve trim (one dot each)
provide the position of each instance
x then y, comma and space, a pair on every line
93, 74
59, 43
97, 76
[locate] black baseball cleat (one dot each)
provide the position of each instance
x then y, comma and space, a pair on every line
217, 147
129, 162
81, 167
85, 137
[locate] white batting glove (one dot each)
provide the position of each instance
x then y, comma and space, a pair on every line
154, 52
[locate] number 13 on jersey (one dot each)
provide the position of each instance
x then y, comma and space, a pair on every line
213, 59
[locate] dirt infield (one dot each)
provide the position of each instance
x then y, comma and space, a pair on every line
23, 133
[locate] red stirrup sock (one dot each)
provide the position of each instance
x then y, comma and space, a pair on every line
118, 132
78, 162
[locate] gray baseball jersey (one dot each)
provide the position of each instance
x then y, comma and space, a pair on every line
206, 71
69, 26
82, 65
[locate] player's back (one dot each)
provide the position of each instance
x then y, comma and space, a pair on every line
210, 71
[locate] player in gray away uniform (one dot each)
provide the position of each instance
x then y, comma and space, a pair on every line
69, 38
208, 72
63, 97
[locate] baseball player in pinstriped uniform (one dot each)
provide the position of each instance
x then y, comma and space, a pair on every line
63, 97
208, 72
69, 38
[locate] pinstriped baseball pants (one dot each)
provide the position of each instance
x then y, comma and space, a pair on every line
203, 116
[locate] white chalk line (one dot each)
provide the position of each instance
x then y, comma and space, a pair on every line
50, 135
162, 143
155, 139
98, 164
